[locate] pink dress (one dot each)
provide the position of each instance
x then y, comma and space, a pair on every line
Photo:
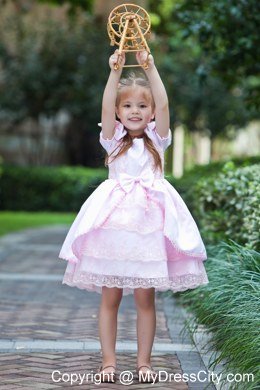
134, 230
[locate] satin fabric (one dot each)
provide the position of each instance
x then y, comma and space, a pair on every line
134, 230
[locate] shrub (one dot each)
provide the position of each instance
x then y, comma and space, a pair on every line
47, 188
190, 178
229, 307
228, 205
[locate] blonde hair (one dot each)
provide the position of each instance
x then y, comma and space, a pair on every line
133, 80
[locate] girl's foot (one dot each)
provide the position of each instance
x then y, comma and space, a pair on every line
107, 374
146, 374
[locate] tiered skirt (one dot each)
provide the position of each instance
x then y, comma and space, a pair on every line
129, 249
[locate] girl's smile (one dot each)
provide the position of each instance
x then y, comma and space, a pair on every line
135, 109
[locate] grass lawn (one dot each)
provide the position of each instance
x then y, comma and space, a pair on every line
11, 221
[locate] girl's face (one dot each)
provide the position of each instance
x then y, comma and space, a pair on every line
135, 109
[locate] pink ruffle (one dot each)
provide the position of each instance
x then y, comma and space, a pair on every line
182, 276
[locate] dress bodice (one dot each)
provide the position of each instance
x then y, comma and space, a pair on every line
137, 161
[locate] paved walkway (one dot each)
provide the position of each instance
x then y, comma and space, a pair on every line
49, 331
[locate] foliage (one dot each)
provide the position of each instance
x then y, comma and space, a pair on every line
227, 205
225, 33
57, 64
201, 104
1, 168
50, 65
185, 185
198, 100
74, 5
229, 306
44, 188
228, 29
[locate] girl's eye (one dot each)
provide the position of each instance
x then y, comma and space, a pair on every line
143, 106
126, 105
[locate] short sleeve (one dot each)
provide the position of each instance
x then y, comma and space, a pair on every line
162, 142
110, 144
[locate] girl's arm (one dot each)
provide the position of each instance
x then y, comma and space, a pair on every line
162, 116
109, 96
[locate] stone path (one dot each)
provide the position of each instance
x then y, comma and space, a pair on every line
49, 336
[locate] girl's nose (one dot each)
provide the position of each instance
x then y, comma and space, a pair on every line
135, 110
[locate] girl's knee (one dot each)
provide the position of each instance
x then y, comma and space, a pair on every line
144, 298
111, 297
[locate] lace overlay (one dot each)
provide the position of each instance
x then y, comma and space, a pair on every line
143, 216
133, 231
125, 245
94, 282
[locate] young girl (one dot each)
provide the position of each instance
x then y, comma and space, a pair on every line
134, 234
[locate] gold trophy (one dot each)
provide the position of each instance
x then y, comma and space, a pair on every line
127, 26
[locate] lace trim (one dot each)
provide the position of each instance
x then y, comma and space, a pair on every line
200, 255
176, 283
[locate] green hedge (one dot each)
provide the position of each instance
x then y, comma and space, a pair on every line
227, 205
229, 307
66, 188
185, 184
47, 188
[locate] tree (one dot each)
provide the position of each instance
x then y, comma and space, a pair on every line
227, 33
50, 66
85, 5
199, 99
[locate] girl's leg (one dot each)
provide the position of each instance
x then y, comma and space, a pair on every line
110, 301
146, 324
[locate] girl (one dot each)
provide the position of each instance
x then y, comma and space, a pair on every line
134, 234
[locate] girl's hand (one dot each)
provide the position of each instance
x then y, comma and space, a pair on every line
117, 58
144, 57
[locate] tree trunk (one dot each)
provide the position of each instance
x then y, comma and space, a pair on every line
202, 146
178, 151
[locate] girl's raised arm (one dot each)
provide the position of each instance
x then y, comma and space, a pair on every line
109, 96
162, 116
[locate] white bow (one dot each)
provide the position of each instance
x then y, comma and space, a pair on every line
127, 182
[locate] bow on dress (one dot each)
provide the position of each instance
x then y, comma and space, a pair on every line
127, 181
